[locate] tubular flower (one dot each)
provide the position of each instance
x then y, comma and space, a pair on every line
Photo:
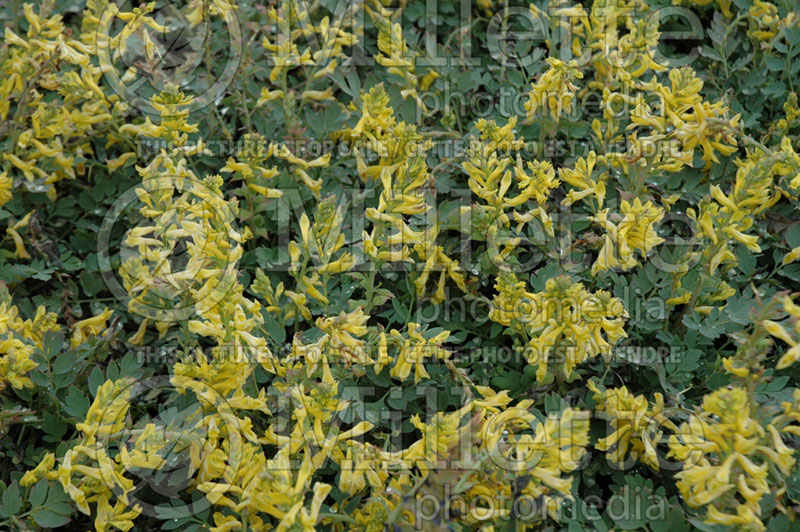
292, 21
261, 447
792, 112
90, 326
250, 165
541, 453
764, 21
513, 304
680, 115
396, 57
86, 472
5, 188
50, 77
321, 240
402, 172
13, 231
617, 61
434, 258
778, 330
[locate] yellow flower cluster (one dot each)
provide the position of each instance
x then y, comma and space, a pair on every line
555, 89
491, 179
394, 54
730, 461
727, 217
293, 24
766, 23
92, 326
250, 166
264, 441
87, 472
678, 112
486, 433
581, 178
227, 453
565, 325
792, 117
50, 81
638, 425
19, 339
403, 175
617, 60
634, 232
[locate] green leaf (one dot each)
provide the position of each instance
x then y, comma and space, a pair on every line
747, 260
792, 236
172, 524
38, 493
49, 519
776, 64
96, 379
130, 365
792, 35
775, 89
77, 404
92, 283
553, 403
54, 427
707, 51
65, 362
52, 344
11, 501
777, 384
699, 524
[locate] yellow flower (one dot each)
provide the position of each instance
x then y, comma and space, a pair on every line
581, 179
638, 424
120, 516
792, 256
434, 258
764, 20
34, 475
414, 349
778, 331
13, 232
635, 232
5, 188
114, 164
492, 180
90, 326
565, 322
555, 89
730, 460
138, 338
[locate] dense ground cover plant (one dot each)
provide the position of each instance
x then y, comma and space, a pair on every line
400, 265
